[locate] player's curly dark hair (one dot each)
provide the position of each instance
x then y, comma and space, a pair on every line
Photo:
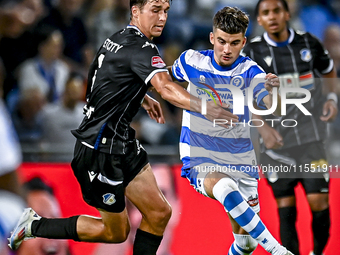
231, 20
284, 3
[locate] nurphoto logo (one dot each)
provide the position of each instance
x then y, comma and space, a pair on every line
239, 103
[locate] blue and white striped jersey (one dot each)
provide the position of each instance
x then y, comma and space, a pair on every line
203, 143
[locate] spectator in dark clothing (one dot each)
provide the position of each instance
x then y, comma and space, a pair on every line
64, 17
17, 40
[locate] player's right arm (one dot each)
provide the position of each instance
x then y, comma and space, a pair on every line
178, 96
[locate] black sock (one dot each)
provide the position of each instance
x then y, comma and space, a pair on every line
56, 228
146, 243
320, 225
288, 232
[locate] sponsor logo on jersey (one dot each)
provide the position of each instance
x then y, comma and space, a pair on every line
210, 94
157, 62
109, 199
146, 44
268, 60
306, 55
253, 201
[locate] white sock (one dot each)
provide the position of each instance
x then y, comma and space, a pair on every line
227, 193
243, 245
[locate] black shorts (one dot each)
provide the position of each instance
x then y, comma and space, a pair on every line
103, 177
284, 169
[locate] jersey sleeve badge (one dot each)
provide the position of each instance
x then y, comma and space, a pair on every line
157, 62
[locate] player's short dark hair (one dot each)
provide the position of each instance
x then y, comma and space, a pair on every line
140, 3
284, 3
231, 20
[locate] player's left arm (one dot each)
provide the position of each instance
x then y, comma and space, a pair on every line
272, 81
330, 107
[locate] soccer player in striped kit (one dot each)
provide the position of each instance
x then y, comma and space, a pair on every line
300, 61
220, 162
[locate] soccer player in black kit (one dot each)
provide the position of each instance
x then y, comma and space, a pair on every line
109, 162
300, 61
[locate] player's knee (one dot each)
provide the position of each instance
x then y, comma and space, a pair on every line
165, 213
161, 216
223, 187
245, 242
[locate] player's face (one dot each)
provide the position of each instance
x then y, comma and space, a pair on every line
272, 16
227, 47
152, 17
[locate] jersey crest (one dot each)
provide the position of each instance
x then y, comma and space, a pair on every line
237, 81
306, 55
109, 199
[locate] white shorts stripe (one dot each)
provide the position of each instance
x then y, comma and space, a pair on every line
108, 181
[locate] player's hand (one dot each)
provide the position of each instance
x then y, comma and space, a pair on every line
222, 113
271, 81
329, 111
271, 138
154, 109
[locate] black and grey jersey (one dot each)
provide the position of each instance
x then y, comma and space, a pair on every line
118, 80
299, 62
